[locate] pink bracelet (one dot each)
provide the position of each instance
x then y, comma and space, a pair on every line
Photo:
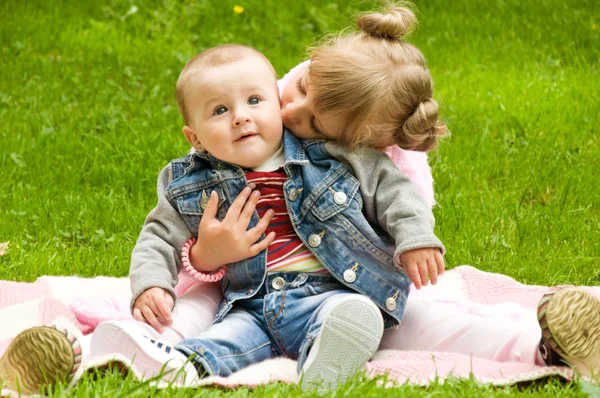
194, 273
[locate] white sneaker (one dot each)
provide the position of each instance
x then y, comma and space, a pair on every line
146, 356
349, 337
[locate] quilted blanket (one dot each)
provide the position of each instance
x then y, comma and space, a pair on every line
89, 301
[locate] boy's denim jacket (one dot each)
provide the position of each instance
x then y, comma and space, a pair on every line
325, 205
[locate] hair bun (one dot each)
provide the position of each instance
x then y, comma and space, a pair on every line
396, 22
422, 129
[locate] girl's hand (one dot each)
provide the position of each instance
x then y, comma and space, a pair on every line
419, 263
154, 307
228, 241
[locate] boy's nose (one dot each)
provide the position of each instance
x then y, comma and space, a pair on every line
241, 119
239, 122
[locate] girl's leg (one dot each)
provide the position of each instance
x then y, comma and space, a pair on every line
192, 315
503, 332
193, 312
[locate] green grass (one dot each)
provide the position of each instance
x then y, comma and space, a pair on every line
88, 118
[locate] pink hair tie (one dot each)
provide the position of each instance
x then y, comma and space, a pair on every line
194, 273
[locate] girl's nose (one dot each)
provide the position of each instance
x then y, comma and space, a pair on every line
292, 121
290, 114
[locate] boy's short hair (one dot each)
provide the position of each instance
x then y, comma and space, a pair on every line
215, 56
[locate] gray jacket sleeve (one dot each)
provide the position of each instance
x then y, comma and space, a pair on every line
390, 199
156, 257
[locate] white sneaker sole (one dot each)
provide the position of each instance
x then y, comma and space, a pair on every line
349, 337
145, 359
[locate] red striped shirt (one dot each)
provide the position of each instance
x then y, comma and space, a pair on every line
287, 250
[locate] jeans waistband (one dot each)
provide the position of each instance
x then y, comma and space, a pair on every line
278, 281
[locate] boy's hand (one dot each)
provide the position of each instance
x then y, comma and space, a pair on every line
418, 263
154, 307
228, 241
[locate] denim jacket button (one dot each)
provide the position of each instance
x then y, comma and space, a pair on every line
204, 200
278, 283
390, 303
349, 276
293, 194
314, 240
340, 198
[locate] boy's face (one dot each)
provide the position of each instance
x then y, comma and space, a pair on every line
235, 112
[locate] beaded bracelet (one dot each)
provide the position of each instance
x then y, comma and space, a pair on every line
194, 273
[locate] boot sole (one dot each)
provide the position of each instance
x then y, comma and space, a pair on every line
36, 357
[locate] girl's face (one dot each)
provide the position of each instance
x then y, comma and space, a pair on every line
298, 112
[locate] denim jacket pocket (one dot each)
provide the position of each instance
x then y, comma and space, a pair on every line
192, 205
338, 195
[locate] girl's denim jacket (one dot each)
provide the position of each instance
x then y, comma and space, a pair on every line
325, 205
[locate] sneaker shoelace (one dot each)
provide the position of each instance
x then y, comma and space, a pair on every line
167, 348
160, 345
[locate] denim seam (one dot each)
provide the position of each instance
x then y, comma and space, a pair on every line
200, 359
245, 352
272, 325
364, 243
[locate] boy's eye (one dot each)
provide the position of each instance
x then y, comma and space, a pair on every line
220, 110
254, 101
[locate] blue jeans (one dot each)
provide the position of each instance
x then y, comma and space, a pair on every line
283, 319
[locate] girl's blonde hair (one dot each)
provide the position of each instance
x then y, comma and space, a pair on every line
378, 83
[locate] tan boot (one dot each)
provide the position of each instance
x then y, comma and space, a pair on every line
569, 317
39, 356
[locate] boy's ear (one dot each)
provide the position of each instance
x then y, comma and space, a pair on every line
191, 138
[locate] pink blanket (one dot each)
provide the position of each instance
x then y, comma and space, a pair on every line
87, 302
